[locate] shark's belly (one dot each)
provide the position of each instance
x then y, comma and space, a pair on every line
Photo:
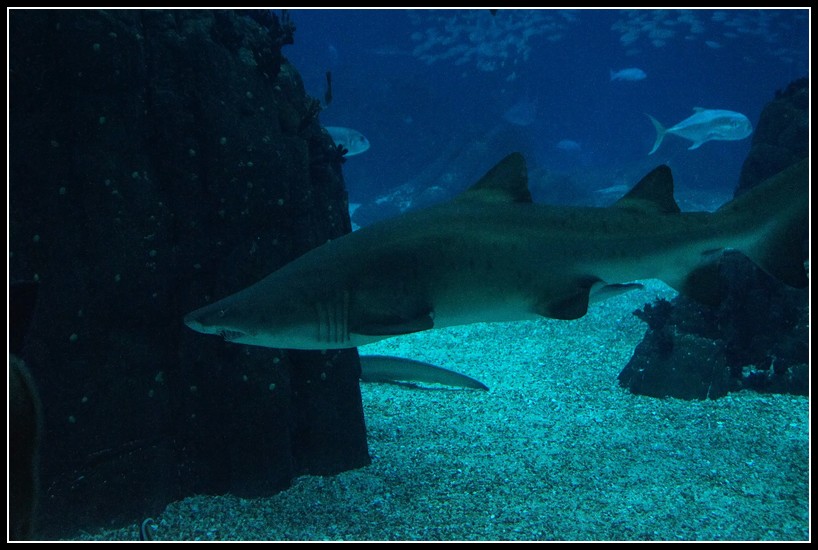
499, 294
463, 310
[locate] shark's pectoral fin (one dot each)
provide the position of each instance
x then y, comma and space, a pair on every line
573, 303
395, 326
568, 305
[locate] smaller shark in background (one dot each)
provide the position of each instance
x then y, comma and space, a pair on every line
492, 255
705, 125
389, 369
352, 140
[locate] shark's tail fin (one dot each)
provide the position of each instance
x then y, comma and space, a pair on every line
660, 133
777, 213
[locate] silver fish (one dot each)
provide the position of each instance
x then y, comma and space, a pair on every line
352, 140
631, 73
705, 125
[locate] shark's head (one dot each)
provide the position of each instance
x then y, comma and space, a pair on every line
217, 319
273, 320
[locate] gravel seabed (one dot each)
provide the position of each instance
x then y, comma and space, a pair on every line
556, 450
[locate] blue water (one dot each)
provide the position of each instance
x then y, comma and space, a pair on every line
443, 95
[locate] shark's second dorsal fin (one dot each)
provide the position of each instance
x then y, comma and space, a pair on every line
506, 182
653, 193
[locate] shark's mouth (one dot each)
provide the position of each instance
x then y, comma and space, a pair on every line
231, 335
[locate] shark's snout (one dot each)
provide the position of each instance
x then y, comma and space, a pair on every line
191, 321
204, 320
211, 320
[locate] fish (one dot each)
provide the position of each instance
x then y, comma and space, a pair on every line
568, 146
491, 255
523, 112
392, 370
632, 74
352, 140
705, 125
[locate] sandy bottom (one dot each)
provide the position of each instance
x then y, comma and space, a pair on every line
556, 450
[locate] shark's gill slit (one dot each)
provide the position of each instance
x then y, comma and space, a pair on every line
332, 326
338, 308
323, 321
230, 335
336, 321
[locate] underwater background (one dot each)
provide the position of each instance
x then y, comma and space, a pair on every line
454, 87
160, 159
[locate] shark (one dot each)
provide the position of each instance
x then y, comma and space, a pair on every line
492, 255
389, 369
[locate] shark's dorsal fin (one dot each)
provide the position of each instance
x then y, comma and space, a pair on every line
653, 193
506, 182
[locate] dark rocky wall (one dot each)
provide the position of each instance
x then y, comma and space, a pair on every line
159, 160
757, 338
781, 137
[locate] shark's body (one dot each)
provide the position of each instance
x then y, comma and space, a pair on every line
493, 255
